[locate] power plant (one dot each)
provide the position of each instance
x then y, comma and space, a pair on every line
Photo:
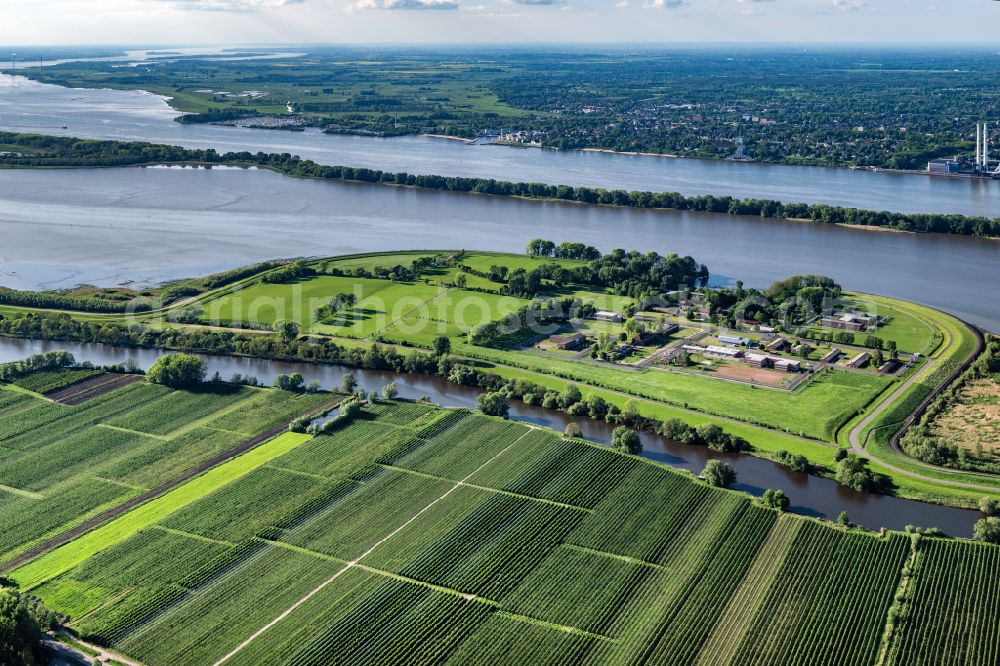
981, 165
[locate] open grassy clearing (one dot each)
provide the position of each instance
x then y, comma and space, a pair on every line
817, 409
431, 536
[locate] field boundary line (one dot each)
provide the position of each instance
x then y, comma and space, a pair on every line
20, 492
298, 472
615, 556
209, 418
190, 535
161, 438
527, 619
442, 292
500, 491
122, 484
355, 562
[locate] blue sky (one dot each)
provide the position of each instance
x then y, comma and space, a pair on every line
28, 22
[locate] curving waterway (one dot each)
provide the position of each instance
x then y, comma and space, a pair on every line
59, 228
29, 106
810, 495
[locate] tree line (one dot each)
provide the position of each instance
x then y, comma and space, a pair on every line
68, 152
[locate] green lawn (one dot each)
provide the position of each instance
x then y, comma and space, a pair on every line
815, 410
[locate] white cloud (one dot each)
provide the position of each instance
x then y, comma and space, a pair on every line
406, 4
665, 4
227, 5
539, 2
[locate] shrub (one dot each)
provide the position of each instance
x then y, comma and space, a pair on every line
719, 473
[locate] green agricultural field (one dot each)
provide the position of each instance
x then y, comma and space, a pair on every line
426, 536
63, 463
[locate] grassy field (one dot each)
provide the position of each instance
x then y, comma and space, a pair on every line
428, 536
815, 410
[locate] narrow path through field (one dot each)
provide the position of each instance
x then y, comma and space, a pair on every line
859, 447
355, 562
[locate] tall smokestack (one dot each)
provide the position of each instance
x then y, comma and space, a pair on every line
979, 144
986, 146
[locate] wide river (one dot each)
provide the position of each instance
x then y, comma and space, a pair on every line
29, 106
810, 495
60, 228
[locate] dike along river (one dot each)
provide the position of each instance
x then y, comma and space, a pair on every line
810, 495
109, 226
29, 106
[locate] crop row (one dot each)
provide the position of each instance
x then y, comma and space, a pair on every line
504, 641
40, 468
213, 618
490, 551
545, 466
578, 588
642, 516
687, 626
47, 381
267, 409
348, 527
463, 448
24, 520
48, 422
955, 606
349, 451
396, 623
239, 510
176, 409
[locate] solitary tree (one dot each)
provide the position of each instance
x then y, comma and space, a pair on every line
179, 371
288, 330
442, 345
389, 391
626, 440
776, 499
844, 519
493, 404
572, 430
719, 473
987, 529
988, 506
348, 383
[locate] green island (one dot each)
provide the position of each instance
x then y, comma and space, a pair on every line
802, 373
33, 151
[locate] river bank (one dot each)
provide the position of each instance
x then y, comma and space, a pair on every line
811, 495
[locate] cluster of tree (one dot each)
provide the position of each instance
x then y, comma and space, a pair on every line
339, 303
707, 434
922, 443
853, 472
56, 301
540, 247
53, 360
530, 319
23, 623
793, 461
294, 271
493, 403
776, 499
216, 116
178, 371
58, 151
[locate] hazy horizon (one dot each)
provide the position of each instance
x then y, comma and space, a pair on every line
29, 23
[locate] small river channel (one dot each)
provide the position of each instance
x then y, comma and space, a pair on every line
810, 495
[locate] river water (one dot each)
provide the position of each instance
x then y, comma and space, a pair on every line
30, 106
810, 495
60, 228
